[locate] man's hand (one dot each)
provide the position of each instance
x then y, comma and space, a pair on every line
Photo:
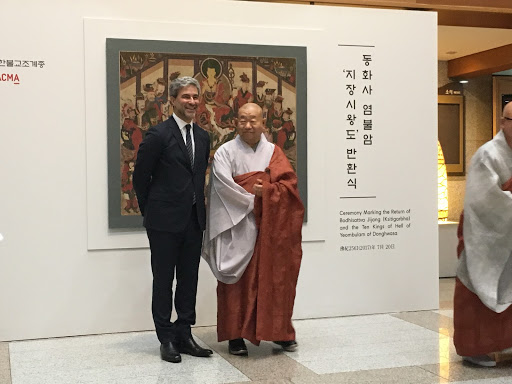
258, 187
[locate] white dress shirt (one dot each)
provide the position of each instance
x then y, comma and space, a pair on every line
181, 126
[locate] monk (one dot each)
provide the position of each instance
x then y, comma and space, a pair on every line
253, 237
483, 290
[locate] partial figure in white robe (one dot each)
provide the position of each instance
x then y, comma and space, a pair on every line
485, 264
482, 314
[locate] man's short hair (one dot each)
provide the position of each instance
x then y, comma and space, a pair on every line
181, 82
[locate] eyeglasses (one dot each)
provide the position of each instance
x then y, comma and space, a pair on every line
507, 118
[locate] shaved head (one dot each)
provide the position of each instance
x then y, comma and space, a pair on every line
507, 110
506, 122
250, 123
257, 109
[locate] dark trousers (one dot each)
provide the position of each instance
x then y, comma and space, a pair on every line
175, 253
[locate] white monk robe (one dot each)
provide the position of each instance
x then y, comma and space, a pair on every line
231, 230
485, 264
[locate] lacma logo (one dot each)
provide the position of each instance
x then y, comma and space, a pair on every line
10, 77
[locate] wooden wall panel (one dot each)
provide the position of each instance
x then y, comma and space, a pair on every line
482, 63
462, 13
474, 19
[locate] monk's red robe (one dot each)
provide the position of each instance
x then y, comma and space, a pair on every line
260, 305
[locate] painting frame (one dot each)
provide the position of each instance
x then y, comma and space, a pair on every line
451, 133
114, 47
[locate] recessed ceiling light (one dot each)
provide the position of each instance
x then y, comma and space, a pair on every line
451, 52
463, 81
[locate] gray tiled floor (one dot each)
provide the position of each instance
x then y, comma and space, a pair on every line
412, 347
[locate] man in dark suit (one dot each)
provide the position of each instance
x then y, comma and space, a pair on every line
169, 181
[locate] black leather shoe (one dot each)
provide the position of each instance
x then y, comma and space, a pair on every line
190, 347
169, 353
238, 347
288, 346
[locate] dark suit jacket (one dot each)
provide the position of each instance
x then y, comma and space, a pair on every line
164, 180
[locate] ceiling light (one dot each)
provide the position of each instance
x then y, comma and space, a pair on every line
463, 81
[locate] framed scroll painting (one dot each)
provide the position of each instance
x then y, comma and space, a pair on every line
138, 76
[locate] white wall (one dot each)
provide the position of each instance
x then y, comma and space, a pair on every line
53, 160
